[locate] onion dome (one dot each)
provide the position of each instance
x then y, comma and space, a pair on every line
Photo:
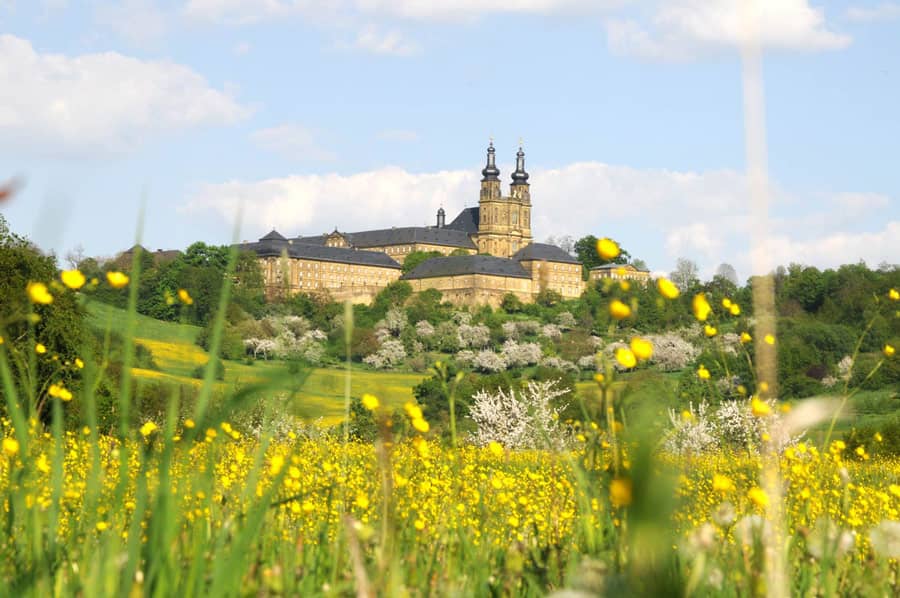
520, 177
491, 172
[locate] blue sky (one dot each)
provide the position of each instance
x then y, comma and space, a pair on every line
371, 113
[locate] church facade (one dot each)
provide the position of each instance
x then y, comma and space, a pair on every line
488, 252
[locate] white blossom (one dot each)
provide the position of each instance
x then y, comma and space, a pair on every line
389, 355
526, 419
520, 355
475, 337
566, 321
488, 361
424, 328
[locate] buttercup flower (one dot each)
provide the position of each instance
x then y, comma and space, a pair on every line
607, 248
185, 297
710, 331
619, 310
38, 293
626, 357
73, 279
117, 280
667, 288
702, 372
745, 338
889, 350
770, 339
642, 349
701, 307
370, 402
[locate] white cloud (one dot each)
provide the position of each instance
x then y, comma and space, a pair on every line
139, 22
292, 141
52, 103
249, 11
832, 249
400, 135
371, 39
660, 215
683, 29
886, 11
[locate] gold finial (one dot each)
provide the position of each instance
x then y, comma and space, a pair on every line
492, 139
521, 143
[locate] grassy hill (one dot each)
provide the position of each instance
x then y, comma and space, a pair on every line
321, 394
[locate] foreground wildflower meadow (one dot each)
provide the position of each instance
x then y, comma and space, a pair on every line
195, 505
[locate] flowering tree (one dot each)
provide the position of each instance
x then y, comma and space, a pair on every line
526, 419
476, 337
488, 361
520, 355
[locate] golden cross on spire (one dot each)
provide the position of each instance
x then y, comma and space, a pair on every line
521, 143
492, 139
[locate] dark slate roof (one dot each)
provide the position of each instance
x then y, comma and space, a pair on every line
466, 221
467, 264
617, 266
544, 252
274, 235
312, 240
410, 234
322, 253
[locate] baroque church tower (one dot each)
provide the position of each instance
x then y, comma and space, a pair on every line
504, 223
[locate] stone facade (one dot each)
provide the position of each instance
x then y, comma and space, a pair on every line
619, 272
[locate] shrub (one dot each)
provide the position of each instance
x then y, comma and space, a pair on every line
200, 371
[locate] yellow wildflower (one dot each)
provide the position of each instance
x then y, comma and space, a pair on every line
79, 363
362, 501
102, 526
624, 285
722, 483
702, 372
599, 378
65, 394
642, 349
770, 339
687, 415
701, 307
421, 425
710, 331
626, 357
726, 303
607, 248
889, 350
189, 423
759, 408
40, 349
370, 402
619, 310
496, 448
894, 295
412, 410
878, 437
38, 293
745, 338
276, 464
43, 464
10, 447
735, 309
419, 524
185, 297
667, 288
620, 492
759, 497
116, 279
148, 428
72, 279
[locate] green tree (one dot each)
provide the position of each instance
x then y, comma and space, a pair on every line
60, 327
417, 257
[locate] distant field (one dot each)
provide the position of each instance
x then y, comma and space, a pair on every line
321, 396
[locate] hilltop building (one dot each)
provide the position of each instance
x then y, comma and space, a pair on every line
489, 252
